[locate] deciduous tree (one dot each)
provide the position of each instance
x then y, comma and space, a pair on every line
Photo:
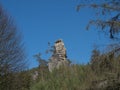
12, 55
107, 15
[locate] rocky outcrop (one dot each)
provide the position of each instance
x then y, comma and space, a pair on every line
59, 57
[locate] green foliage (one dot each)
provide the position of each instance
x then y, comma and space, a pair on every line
73, 78
16, 81
102, 73
101, 62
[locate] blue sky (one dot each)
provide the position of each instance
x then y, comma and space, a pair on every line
43, 21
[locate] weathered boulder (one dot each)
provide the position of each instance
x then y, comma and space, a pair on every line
59, 57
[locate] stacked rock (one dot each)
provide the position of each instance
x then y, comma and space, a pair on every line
59, 57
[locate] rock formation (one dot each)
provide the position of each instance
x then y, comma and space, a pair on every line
59, 57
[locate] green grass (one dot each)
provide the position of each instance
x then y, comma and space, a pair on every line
80, 77
76, 77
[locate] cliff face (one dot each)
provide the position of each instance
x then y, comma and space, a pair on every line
59, 57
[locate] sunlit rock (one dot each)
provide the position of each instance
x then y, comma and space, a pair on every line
59, 57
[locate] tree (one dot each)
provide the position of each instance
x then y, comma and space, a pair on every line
42, 70
42, 62
95, 59
109, 12
12, 55
101, 62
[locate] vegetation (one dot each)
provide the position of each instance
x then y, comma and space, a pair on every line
101, 73
12, 55
107, 15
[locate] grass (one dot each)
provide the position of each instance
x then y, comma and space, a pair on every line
80, 77
76, 77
